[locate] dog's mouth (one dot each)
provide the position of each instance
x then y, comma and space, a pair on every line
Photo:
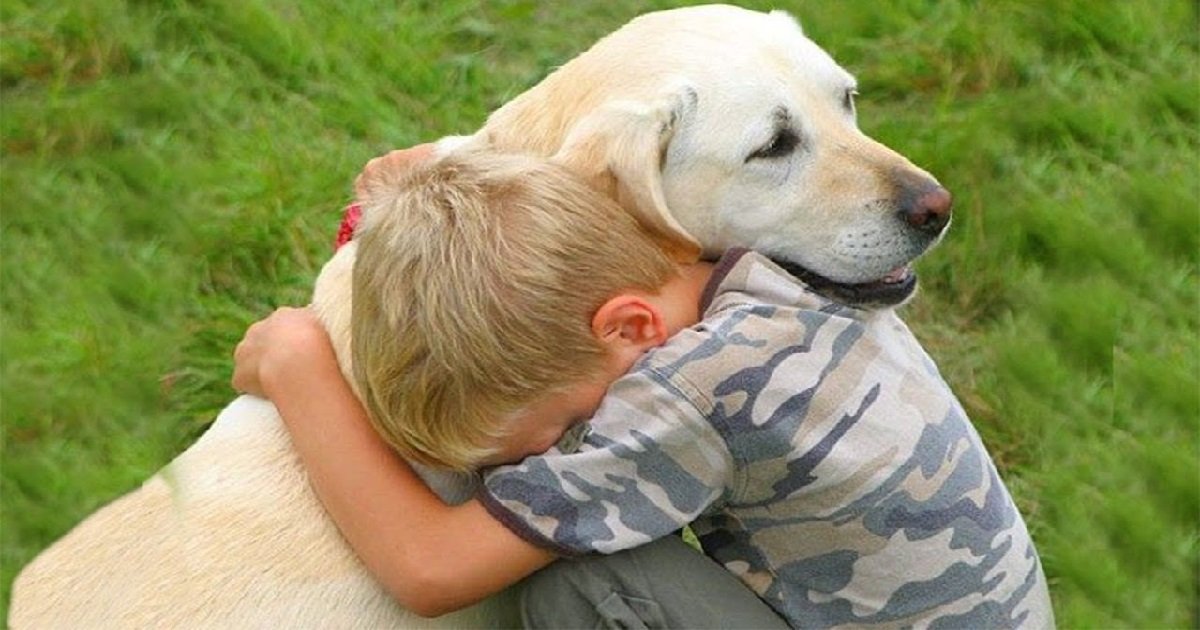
893, 288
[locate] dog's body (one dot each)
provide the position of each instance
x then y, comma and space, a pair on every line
228, 536
732, 119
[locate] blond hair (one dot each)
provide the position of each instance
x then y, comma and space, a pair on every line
476, 280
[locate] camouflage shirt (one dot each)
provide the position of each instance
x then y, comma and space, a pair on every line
818, 455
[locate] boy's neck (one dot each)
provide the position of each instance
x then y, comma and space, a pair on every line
679, 299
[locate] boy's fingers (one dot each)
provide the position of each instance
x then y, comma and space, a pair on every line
403, 158
392, 163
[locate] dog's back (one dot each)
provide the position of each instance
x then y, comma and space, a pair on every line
228, 535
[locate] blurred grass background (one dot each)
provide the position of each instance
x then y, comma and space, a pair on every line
173, 169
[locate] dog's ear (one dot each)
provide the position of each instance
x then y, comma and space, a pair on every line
619, 149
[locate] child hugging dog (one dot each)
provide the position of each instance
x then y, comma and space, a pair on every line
813, 446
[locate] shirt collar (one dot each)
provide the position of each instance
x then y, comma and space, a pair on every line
724, 265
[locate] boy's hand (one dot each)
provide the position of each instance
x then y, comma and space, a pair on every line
386, 168
280, 350
431, 557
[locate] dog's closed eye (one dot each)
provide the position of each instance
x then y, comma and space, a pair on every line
781, 144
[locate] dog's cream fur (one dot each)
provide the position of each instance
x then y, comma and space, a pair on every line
665, 113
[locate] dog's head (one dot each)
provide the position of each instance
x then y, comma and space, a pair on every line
720, 127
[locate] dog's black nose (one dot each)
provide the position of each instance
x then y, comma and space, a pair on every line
929, 211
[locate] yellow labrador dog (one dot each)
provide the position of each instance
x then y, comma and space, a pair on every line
715, 126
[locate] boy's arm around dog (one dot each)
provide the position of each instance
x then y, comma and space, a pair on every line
433, 558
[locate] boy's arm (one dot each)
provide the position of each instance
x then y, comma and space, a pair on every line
433, 558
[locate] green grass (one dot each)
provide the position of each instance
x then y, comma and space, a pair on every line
171, 170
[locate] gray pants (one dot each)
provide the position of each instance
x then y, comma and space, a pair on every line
665, 584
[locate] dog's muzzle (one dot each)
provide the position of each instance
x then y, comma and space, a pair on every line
892, 289
927, 211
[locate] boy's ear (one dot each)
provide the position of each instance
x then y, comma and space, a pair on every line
619, 149
629, 322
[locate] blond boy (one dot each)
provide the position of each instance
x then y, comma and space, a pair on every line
475, 286
815, 447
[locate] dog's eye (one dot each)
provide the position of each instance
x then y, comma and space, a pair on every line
848, 100
782, 144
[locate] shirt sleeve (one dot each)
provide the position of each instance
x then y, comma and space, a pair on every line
650, 465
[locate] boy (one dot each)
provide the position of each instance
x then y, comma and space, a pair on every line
820, 456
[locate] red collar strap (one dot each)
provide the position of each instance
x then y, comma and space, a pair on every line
350, 217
